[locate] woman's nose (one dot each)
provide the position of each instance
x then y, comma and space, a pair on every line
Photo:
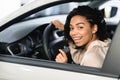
74, 31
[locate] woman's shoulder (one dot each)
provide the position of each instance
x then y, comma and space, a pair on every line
100, 43
99, 46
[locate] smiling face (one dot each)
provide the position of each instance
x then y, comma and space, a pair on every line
81, 31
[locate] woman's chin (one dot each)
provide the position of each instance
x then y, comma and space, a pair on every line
78, 45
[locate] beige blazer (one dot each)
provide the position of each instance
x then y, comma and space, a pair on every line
93, 57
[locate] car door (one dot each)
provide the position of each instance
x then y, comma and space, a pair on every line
15, 68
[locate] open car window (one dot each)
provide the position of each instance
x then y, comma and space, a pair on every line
25, 42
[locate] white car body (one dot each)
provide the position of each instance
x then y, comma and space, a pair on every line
21, 68
24, 72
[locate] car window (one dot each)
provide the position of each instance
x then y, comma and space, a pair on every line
57, 10
27, 38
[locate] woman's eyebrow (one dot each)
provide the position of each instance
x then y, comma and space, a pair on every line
79, 23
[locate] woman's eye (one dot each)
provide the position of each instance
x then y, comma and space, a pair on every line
71, 28
80, 27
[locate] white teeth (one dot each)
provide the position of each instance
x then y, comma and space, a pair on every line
76, 38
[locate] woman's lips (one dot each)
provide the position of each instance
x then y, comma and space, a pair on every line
77, 39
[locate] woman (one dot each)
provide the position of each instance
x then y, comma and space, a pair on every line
85, 32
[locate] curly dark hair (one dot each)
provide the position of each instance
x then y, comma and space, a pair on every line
93, 15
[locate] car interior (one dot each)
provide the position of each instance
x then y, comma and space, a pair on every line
35, 36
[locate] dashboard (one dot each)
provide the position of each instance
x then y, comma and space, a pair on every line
26, 37
27, 43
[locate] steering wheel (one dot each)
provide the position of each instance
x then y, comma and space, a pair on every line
51, 46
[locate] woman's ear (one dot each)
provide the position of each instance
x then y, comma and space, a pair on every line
94, 28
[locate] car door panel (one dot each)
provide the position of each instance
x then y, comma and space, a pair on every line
11, 71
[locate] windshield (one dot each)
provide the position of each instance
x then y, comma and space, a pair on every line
62, 9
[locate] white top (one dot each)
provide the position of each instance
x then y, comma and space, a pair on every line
93, 57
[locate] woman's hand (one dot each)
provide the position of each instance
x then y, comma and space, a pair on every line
58, 24
61, 57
